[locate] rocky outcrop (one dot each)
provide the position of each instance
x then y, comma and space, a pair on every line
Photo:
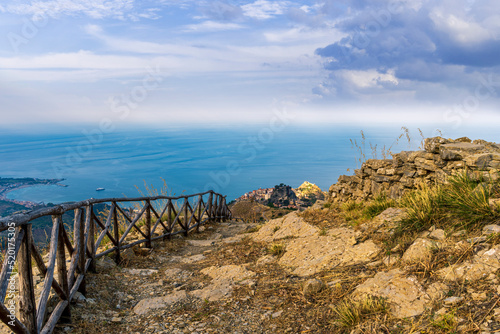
283, 196
308, 252
482, 265
308, 193
440, 158
404, 294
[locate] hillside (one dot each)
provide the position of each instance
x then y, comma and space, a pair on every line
310, 272
426, 261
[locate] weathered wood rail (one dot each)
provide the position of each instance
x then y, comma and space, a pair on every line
89, 230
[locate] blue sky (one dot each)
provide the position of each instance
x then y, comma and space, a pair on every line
224, 62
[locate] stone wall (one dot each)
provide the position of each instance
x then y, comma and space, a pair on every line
440, 158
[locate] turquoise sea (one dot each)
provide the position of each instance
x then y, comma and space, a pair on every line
229, 160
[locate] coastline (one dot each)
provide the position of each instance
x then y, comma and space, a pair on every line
12, 184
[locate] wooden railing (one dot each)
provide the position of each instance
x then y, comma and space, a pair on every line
89, 230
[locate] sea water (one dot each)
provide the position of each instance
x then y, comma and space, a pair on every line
229, 160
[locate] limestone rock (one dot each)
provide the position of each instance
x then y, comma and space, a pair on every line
315, 253
146, 305
482, 264
437, 290
490, 229
405, 295
480, 161
437, 234
462, 148
230, 272
177, 274
312, 287
360, 253
432, 145
452, 301
78, 298
391, 260
290, 225
388, 218
105, 263
128, 254
140, 272
215, 291
224, 279
420, 249
193, 258
201, 243
494, 203
266, 259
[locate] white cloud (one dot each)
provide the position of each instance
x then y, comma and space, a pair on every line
461, 30
369, 78
211, 26
302, 34
97, 9
263, 9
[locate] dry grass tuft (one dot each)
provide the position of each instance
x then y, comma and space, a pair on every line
351, 312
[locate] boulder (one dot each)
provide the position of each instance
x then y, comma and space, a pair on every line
406, 297
419, 250
290, 225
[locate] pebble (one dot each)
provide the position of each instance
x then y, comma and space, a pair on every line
450, 301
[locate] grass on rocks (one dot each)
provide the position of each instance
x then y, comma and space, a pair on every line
463, 202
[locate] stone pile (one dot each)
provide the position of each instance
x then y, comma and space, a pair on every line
439, 159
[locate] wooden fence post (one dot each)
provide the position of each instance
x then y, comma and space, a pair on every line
186, 221
91, 237
209, 203
80, 245
224, 209
148, 224
169, 220
116, 235
200, 200
219, 207
62, 272
214, 208
27, 303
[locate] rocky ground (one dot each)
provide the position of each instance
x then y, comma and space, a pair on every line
302, 273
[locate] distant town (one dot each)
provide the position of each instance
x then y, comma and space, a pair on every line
9, 206
284, 196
